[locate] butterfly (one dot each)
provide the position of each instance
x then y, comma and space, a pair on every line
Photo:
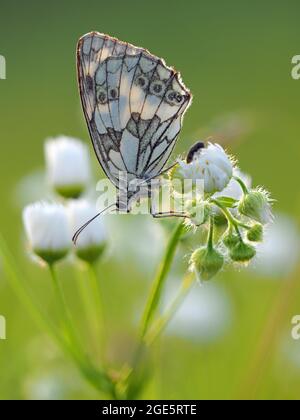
133, 105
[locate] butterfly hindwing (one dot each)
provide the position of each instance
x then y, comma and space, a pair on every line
133, 104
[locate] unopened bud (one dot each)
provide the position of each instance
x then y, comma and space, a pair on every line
206, 262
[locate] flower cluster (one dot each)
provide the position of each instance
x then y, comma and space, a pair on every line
50, 225
230, 214
234, 213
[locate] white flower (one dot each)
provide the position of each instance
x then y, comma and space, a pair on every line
47, 229
68, 165
92, 240
212, 165
190, 170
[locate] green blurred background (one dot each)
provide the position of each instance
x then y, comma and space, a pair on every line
235, 56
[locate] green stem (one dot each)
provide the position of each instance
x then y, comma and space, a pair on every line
151, 307
65, 314
135, 381
21, 290
86, 299
241, 224
75, 343
242, 184
68, 324
231, 220
160, 278
159, 325
210, 242
96, 378
97, 293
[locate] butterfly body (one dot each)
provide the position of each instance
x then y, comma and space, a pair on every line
133, 104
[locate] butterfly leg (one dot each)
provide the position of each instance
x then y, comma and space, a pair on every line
161, 215
170, 213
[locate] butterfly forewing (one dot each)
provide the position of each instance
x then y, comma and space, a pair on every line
133, 104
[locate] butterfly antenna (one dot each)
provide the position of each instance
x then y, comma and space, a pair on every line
78, 232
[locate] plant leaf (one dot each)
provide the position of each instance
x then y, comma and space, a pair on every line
227, 201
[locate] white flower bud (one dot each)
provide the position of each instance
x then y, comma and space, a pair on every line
47, 229
212, 165
68, 165
93, 239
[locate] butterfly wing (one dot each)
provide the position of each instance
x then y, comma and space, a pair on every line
133, 104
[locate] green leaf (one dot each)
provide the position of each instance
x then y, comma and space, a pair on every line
227, 201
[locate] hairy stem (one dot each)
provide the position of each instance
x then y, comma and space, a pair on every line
231, 219
210, 241
64, 312
159, 280
161, 323
242, 184
151, 307
98, 299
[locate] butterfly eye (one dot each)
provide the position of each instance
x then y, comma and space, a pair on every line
174, 98
113, 93
102, 95
157, 88
142, 81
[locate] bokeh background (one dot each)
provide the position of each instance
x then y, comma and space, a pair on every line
233, 337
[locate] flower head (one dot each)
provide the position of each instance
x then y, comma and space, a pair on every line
256, 205
93, 239
47, 229
210, 164
68, 165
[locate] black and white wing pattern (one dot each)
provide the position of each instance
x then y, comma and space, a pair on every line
133, 104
